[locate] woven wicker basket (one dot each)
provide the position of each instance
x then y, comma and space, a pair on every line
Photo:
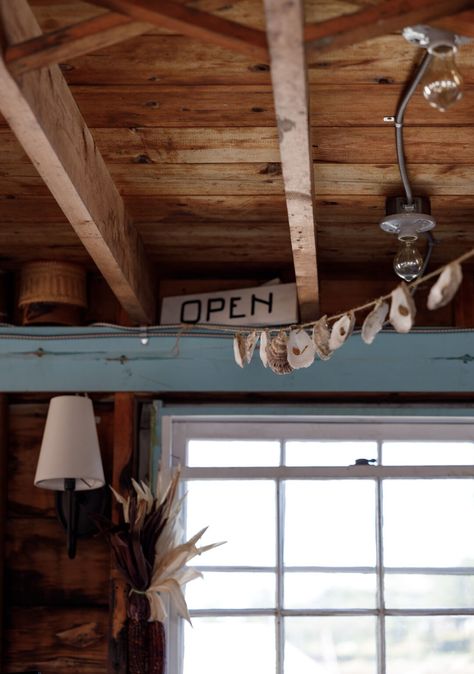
53, 283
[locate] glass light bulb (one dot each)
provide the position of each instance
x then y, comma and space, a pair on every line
442, 82
408, 262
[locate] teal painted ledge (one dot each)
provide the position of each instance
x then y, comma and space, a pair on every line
108, 359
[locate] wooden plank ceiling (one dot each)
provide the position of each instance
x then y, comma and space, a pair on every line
188, 133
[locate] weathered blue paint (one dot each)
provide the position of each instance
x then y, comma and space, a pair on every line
155, 441
114, 360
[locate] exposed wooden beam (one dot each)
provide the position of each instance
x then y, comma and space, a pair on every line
72, 41
42, 113
290, 92
194, 23
376, 20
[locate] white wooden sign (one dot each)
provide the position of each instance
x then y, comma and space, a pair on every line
265, 305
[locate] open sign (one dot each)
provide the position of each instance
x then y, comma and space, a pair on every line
265, 305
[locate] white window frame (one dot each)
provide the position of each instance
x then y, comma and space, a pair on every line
177, 429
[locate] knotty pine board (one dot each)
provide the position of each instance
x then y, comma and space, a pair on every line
234, 145
252, 106
175, 59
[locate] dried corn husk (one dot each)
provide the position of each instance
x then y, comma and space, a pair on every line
300, 350
277, 354
240, 350
341, 330
321, 337
402, 309
374, 322
263, 347
445, 287
148, 550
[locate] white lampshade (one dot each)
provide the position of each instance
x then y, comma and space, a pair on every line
70, 447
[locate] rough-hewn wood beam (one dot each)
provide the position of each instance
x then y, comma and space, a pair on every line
290, 92
194, 23
42, 113
376, 20
72, 41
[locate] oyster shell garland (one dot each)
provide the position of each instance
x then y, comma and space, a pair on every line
445, 287
341, 330
402, 309
374, 322
300, 349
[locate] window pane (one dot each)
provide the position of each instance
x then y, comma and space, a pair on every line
219, 453
330, 523
427, 453
429, 522
241, 512
232, 590
430, 645
327, 453
433, 591
329, 590
230, 646
341, 645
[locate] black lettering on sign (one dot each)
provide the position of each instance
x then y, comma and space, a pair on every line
183, 318
211, 308
268, 302
233, 302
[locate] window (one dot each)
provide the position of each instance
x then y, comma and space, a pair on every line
331, 566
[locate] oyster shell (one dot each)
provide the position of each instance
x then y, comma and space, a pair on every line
263, 347
300, 350
321, 336
341, 330
402, 309
277, 354
374, 322
445, 287
250, 344
240, 351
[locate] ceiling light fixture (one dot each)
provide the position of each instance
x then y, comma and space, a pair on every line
410, 216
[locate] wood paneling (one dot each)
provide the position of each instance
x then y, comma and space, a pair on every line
57, 642
57, 609
153, 61
208, 145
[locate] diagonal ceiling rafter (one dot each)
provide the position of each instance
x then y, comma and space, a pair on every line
71, 41
193, 23
42, 113
374, 21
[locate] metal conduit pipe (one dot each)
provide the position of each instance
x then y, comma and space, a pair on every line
422, 68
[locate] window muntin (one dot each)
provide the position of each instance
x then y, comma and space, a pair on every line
311, 588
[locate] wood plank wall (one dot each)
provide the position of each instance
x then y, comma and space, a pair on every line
56, 609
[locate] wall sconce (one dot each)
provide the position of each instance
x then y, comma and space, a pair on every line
70, 464
410, 216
